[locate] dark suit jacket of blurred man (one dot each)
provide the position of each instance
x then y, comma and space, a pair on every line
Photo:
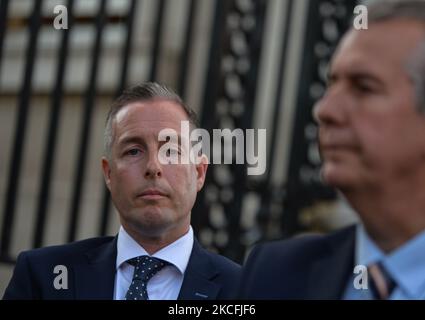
308, 267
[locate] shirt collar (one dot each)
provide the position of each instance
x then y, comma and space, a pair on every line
176, 253
406, 264
367, 252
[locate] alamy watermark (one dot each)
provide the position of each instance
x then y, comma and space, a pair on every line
360, 21
188, 146
360, 281
60, 282
61, 20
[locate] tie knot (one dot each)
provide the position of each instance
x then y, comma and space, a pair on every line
145, 267
381, 282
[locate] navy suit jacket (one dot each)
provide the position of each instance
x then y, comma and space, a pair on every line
306, 267
91, 273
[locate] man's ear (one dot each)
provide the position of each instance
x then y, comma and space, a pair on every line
201, 171
106, 169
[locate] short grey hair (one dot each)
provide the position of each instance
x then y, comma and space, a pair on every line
146, 91
384, 10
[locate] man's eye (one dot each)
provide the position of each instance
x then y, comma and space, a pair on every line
364, 88
133, 152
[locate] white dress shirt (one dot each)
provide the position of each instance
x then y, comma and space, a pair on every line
164, 285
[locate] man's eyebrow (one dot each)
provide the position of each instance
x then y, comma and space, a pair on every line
131, 139
365, 76
354, 76
138, 140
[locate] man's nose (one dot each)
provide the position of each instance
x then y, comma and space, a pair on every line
153, 166
330, 109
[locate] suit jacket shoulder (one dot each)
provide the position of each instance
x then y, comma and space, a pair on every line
306, 267
209, 276
34, 274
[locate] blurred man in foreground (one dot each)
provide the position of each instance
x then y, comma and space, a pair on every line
372, 141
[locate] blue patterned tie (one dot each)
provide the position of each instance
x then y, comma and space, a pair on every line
145, 268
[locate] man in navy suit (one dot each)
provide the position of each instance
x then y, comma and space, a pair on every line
155, 255
372, 142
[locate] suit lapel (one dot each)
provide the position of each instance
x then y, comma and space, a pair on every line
95, 278
329, 275
197, 283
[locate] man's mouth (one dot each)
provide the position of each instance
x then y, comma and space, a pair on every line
152, 194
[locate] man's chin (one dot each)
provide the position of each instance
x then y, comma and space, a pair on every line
152, 222
151, 229
337, 177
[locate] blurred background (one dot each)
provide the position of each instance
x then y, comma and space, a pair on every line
239, 63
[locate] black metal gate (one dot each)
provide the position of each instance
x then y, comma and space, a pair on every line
231, 86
